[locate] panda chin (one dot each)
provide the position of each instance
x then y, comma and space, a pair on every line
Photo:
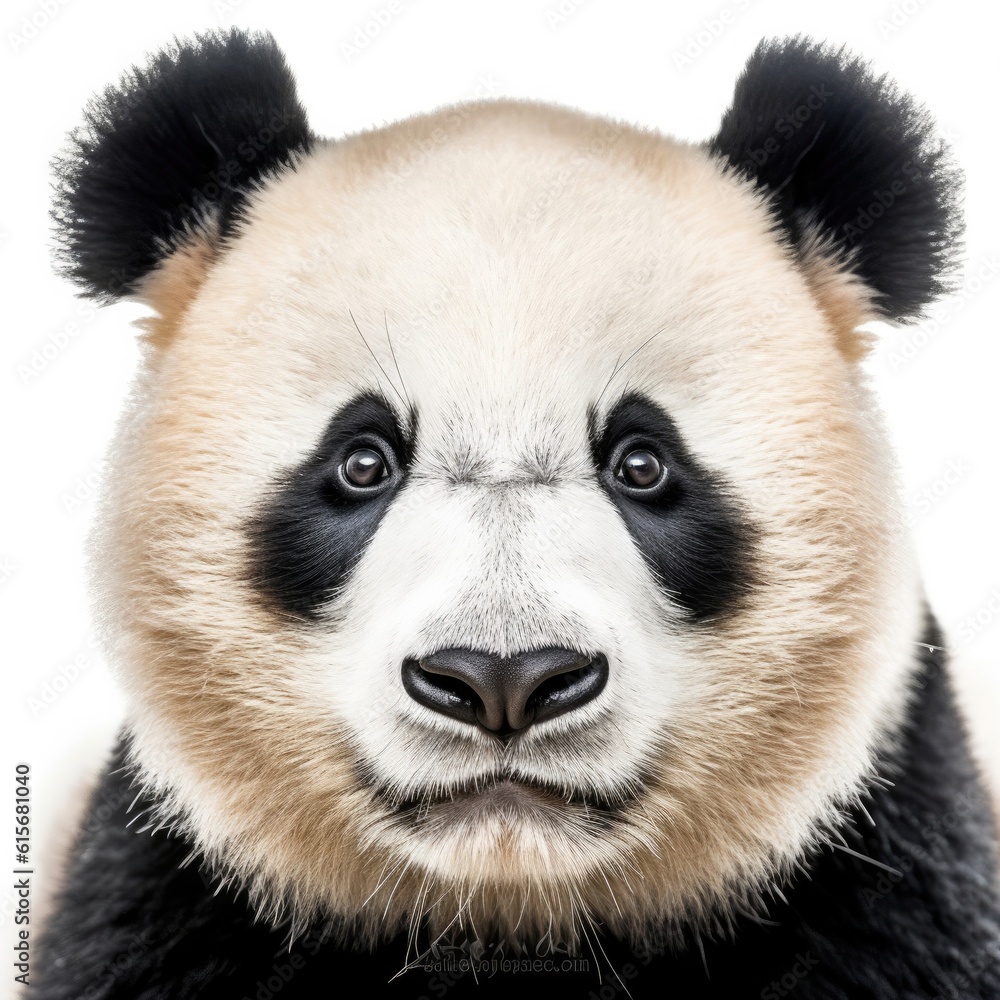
507, 830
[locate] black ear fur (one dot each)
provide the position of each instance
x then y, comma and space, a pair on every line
174, 148
845, 152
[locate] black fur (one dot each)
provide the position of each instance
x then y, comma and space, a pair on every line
692, 533
175, 147
311, 531
844, 150
915, 917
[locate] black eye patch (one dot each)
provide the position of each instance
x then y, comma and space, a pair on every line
315, 523
688, 527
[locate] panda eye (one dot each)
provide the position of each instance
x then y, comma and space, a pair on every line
640, 469
364, 468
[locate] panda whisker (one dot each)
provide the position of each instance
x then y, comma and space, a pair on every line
593, 954
388, 902
620, 872
588, 920
385, 319
408, 963
415, 920
376, 360
864, 857
546, 938
436, 905
296, 928
447, 927
620, 367
185, 862
524, 904
475, 934
628, 382
614, 372
382, 881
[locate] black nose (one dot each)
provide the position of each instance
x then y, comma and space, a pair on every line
505, 693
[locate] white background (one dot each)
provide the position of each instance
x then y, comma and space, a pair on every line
617, 57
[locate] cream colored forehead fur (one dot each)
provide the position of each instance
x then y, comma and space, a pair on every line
513, 252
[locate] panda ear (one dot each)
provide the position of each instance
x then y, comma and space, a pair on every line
851, 165
168, 157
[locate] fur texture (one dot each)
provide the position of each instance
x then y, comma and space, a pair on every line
844, 153
170, 154
504, 295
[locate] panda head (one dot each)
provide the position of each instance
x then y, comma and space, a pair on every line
501, 534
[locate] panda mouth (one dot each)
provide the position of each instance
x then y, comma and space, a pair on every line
507, 791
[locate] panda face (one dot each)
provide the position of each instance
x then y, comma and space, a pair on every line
501, 526
418, 420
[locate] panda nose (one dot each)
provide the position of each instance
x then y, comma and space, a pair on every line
505, 693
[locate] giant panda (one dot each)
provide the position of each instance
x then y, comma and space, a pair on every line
500, 552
